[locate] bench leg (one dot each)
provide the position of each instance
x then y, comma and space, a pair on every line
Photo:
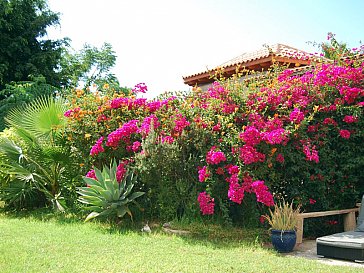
349, 221
299, 230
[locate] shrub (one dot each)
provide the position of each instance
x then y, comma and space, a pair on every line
292, 136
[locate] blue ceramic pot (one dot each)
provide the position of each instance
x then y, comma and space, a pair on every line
283, 240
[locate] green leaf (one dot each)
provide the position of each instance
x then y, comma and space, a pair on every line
99, 176
92, 200
107, 195
128, 190
121, 211
135, 195
91, 216
91, 181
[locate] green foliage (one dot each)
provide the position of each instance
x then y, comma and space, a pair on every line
106, 195
19, 93
90, 65
24, 50
167, 172
33, 163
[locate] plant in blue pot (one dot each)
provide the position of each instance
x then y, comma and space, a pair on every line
283, 221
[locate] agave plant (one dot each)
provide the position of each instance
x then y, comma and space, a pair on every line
106, 196
32, 162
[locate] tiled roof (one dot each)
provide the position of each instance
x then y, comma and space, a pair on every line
278, 50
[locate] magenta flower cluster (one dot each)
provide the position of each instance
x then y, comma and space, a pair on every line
121, 171
124, 132
207, 203
97, 148
203, 174
262, 193
215, 157
140, 88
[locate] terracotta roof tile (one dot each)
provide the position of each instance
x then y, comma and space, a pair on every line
279, 50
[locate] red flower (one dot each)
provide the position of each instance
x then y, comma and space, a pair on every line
312, 201
345, 134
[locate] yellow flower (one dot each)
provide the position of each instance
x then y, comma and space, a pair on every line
87, 135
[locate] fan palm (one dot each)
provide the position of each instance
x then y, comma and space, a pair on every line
35, 163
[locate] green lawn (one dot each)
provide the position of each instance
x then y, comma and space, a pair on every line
32, 245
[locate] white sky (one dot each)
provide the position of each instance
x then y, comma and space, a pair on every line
158, 42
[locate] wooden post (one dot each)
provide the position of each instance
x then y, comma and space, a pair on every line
349, 221
299, 230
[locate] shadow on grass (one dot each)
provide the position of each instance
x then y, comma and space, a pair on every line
214, 235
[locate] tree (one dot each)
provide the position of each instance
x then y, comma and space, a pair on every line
90, 65
24, 51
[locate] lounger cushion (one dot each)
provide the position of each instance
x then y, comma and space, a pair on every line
349, 239
360, 227
361, 214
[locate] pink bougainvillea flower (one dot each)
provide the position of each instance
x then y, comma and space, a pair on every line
262, 193
206, 203
311, 152
250, 155
215, 157
350, 94
124, 132
233, 169
121, 171
140, 88
277, 136
236, 192
68, 113
91, 174
97, 148
280, 158
203, 173
147, 124
251, 136
350, 119
345, 134
216, 128
136, 146
329, 121
220, 171
296, 116
167, 139
180, 123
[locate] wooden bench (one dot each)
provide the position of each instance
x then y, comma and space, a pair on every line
349, 220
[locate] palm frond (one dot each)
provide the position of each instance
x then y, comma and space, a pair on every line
42, 118
10, 150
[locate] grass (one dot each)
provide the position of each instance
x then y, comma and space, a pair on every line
62, 244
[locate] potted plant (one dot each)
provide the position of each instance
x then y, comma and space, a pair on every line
283, 221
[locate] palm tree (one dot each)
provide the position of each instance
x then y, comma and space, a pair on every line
32, 166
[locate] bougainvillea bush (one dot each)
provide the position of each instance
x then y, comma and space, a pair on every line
298, 136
